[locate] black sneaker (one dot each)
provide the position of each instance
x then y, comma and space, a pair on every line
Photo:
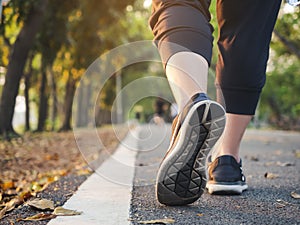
225, 176
181, 177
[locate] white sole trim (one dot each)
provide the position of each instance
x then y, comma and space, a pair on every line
214, 188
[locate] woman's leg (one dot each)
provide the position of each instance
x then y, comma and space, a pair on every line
245, 29
187, 76
183, 36
244, 38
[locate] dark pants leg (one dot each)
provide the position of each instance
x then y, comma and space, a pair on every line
245, 29
182, 26
245, 32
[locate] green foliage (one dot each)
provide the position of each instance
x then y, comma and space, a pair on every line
280, 104
289, 26
21, 9
75, 33
53, 34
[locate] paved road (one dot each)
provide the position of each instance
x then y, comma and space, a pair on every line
268, 200
274, 154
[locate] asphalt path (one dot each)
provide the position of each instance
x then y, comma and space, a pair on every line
271, 164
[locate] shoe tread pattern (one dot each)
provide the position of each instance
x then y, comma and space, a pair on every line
186, 176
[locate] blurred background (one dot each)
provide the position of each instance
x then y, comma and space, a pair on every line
47, 45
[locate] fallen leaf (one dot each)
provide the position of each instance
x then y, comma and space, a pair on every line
280, 203
159, 221
271, 175
295, 195
57, 156
41, 204
84, 171
254, 158
10, 206
200, 214
284, 164
2, 212
60, 211
53, 157
38, 217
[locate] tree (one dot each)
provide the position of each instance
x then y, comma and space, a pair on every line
21, 48
280, 104
90, 39
52, 37
27, 78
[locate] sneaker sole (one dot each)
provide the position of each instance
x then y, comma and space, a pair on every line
181, 177
223, 189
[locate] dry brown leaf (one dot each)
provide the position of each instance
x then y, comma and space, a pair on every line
60, 211
84, 171
158, 221
295, 195
38, 217
254, 158
284, 164
200, 214
2, 212
42, 204
280, 203
9, 206
55, 151
54, 156
271, 175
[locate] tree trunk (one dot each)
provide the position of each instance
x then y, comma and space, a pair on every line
54, 99
83, 103
275, 107
16, 65
26, 93
103, 117
27, 106
68, 103
43, 103
79, 108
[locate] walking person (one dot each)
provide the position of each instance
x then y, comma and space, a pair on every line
183, 35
